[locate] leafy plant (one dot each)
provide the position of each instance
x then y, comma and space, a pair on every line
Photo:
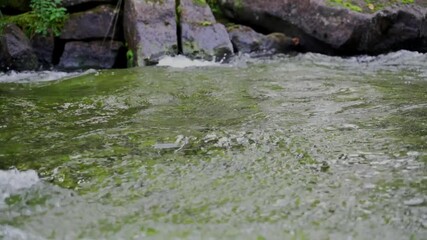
214, 6
50, 17
130, 58
45, 18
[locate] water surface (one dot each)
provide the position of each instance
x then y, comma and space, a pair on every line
301, 147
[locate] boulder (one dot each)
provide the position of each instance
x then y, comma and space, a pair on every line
150, 29
246, 40
201, 35
321, 28
330, 29
280, 43
94, 54
91, 24
43, 48
422, 3
14, 6
16, 52
394, 28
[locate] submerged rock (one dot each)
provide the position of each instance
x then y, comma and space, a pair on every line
94, 23
150, 30
95, 54
246, 40
16, 52
329, 29
202, 36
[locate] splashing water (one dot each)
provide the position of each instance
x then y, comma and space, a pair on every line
184, 62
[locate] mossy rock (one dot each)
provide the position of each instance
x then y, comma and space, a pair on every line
367, 6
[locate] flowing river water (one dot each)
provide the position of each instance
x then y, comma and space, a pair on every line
293, 147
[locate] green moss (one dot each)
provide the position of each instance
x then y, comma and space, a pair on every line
346, 4
85, 118
155, 1
200, 2
130, 58
24, 21
206, 23
408, 124
367, 5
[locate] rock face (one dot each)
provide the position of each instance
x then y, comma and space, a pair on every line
394, 28
94, 23
331, 30
84, 55
43, 47
422, 3
246, 40
201, 35
150, 29
16, 52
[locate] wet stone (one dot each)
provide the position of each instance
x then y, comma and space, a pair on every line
16, 52
85, 55
150, 30
202, 36
91, 24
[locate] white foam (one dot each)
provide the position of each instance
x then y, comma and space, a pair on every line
9, 232
184, 62
12, 181
41, 76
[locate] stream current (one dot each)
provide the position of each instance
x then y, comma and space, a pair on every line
290, 147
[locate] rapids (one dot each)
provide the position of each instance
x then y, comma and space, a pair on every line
289, 147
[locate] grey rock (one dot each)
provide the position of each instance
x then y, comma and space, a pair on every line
320, 28
394, 28
43, 48
91, 24
95, 54
150, 30
16, 52
334, 30
202, 37
422, 3
246, 40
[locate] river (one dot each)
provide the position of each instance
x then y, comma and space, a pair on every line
289, 147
